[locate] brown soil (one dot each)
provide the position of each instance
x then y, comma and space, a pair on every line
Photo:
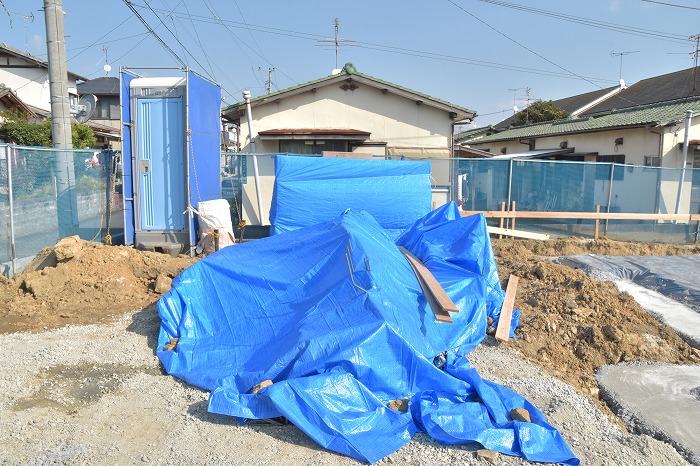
79, 282
570, 323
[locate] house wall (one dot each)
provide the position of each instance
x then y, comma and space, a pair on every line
31, 84
415, 131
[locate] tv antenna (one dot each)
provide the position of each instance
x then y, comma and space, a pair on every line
515, 105
621, 54
268, 83
337, 41
107, 66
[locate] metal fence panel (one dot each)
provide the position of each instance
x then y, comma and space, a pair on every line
55, 193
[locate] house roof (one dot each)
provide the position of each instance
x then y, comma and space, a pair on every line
668, 87
6, 52
100, 86
568, 104
350, 74
658, 114
10, 100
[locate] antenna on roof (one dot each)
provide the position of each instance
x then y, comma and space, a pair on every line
337, 42
621, 54
107, 66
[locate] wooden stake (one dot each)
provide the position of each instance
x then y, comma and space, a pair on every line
597, 222
500, 224
503, 329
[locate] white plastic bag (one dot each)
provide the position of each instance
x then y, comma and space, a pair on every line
214, 215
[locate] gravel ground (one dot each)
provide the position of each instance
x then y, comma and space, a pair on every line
95, 394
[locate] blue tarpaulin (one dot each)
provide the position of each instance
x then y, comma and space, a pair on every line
311, 190
334, 316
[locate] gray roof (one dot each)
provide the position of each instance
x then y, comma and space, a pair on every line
100, 86
668, 87
568, 104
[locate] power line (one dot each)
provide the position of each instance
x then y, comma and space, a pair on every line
672, 4
522, 45
177, 39
128, 3
593, 23
228, 24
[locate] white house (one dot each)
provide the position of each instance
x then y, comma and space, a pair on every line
28, 77
345, 114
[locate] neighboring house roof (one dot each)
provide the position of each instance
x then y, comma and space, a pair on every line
658, 114
10, 100
472, 132
100, 86
668, 87
6, 52
349, 74
568, 104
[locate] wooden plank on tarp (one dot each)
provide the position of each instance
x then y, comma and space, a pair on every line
439, 301
503, 329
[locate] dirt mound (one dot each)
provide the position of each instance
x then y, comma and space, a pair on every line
80, 282
572, 324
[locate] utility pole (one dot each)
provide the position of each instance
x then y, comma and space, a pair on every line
696, 38
66, 201
58, 74
268, 83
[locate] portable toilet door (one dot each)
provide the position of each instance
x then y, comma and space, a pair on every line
159, 157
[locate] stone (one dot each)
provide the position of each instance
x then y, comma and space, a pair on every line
487, 455
520, 414
68, 248
162, 284
611, 333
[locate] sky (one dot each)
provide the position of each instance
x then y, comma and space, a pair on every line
487, 55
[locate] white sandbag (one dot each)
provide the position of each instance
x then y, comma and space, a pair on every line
214, 215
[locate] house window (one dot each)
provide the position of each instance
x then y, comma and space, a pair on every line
652, 161
310, 146
618, 172
107, 108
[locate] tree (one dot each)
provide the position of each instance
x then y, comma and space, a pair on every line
539, 112
82, 135
20, 130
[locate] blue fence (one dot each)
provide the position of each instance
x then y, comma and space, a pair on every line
47, 194
555, 186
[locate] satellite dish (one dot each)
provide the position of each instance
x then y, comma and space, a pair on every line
107, 68
86, 107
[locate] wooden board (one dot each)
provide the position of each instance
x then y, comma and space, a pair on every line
439, 301
584, 215
516, 233
503, 329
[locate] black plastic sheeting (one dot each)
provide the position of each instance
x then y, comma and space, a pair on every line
677, 277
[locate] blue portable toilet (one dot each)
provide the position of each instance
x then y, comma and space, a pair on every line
171, 152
